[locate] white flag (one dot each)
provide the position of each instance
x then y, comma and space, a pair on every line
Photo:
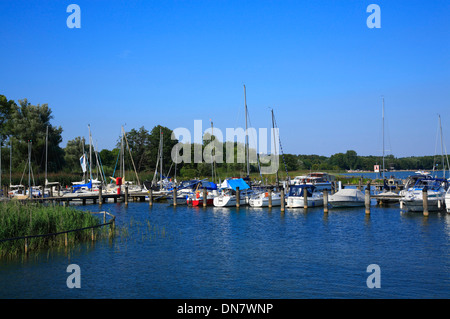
83, 163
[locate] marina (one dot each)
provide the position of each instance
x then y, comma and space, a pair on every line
224, 150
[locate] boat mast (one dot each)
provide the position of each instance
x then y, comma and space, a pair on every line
161, 154
46, 154
274, 144
10, 161
246, 135
383, 138
122, 160
29, 170
213, 162
90, 153
442, 147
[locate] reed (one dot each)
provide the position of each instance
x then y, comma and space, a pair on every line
17, 220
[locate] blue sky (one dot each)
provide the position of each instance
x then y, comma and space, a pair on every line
316, 63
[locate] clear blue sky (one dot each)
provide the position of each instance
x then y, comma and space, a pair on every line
144, 63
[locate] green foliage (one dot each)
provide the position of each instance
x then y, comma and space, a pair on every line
18, 220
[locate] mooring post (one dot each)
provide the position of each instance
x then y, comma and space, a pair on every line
175, 196
367, 200
150, 197
305, 198
205, 197
325, 201
282, 199
26, 246
65, 239
238, 197
126, 195
425, 201
270, 197
100, 197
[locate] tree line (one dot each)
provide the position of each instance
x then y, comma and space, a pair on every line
23, 125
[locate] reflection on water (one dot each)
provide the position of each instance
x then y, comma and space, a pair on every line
196, 252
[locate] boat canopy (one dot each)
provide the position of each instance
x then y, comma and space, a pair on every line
209, 185
76, 187
233, 183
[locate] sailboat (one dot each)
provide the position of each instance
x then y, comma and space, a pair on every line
437, 189
227, 190
261, 198
387, 196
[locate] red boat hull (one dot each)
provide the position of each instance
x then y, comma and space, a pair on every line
199, 202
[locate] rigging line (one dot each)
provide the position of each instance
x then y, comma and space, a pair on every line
131, 158
281, 147
256, 147
435, 148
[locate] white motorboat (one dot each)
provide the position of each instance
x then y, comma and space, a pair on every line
320, 180
296, 196
347, 197
412, 199
261, 199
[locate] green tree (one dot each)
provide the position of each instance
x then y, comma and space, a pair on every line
6, 109
29, 124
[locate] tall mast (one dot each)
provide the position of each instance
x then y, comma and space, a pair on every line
46, 154
122, 159
442, 147
246, 135
29, 170
274, 142
161, 154
10, 161
84, 158
213, 162
90, 153
383, 138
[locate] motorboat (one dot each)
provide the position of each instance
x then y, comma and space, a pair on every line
347, 197
412, 199
321, 181
261, 199
295, 197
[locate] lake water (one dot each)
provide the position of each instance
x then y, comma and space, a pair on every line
189, 252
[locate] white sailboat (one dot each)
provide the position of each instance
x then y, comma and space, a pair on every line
227, 193
387, 196
437, 189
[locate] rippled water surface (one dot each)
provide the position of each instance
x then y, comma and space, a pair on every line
189, 252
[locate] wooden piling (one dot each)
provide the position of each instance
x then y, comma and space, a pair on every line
325, 201
100, 197
205, 197
282, 199
126, 195
367, 200
425, 201
238, 197
150, 197
305, 198
175, 196
270, 197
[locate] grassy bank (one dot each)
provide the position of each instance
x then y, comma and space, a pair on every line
17, 220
